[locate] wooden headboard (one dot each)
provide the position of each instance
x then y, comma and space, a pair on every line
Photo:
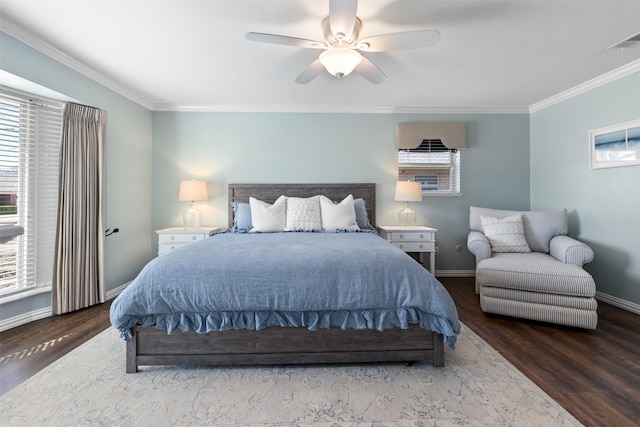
336, 192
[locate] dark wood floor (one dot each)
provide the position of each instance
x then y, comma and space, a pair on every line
29, 348
595, 375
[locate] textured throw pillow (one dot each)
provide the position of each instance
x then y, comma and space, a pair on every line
303, 214
505, 234
266, 217
338, 216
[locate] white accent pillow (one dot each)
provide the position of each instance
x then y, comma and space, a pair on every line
338, 216
303, 214
266, 217
505, 234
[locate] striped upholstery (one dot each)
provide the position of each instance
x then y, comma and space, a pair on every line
535, 272
587, 319
539, 226
569, 250
540, 298
548, 284
537, 286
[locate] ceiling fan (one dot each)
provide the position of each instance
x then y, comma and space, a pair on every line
341, 47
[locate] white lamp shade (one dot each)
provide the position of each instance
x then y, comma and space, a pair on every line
193, 189
340, 61
408, 191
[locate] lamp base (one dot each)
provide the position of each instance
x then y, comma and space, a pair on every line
408, 216
192, 217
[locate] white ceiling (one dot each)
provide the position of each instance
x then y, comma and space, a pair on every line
193, 55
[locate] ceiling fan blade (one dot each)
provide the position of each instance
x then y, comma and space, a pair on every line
311, 72
342, 16
371, 71
400, 41
286, 40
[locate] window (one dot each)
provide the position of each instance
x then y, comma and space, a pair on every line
428, 181
432, 164
29, 143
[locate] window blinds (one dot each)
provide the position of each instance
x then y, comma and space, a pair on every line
429, 152
30, 132
433, 164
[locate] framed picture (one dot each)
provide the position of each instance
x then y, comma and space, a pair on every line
614, 146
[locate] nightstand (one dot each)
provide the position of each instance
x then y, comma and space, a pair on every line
174, 237
416, 238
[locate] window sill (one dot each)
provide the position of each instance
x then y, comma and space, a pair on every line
18, 295
435, 194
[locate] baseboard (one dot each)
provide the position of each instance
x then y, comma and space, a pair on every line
115, 292
455, 273
618, 302
42, 313
24, 318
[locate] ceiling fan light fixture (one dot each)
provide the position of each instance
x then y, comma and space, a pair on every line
340, 61
342, 47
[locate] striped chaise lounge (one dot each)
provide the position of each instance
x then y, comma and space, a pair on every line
527, 267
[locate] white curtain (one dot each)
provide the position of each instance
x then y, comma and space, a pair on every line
78, 276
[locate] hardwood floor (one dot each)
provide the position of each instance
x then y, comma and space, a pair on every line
27, 349
595, 375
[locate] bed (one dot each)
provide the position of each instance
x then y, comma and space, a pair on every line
280, 298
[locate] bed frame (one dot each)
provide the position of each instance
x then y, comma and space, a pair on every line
275, 345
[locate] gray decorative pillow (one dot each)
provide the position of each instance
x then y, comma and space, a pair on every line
362, 218
505, 234
303, 214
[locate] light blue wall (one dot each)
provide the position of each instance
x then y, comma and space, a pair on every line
147, 154
128, 164
604, 204
241, 147
225, 148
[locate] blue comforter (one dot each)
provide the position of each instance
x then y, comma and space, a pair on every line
314, 280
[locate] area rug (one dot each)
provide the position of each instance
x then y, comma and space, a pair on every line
88, 386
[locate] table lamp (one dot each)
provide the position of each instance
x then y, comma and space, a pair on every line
192, 190
408, 191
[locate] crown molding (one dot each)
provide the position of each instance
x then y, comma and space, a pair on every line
462, 110
25, 37
602, 80
275, 108
341, 109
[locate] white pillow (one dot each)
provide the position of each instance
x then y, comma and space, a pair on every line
303, 214
266, 217
506, 234
338, 216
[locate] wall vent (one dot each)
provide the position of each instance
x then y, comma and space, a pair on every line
627, 43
